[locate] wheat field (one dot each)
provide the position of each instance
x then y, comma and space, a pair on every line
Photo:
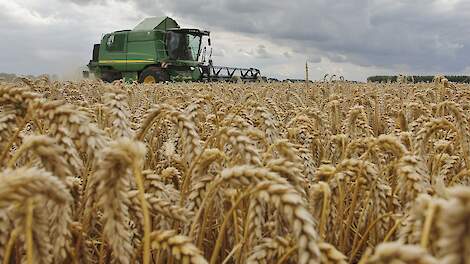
332, 172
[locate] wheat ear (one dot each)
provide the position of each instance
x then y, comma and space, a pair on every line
291, 204
395, 252
180, 246
453, 223
22, 184
112, 184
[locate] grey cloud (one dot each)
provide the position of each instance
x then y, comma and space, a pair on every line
42, 40
86, 2
335, 57
219, 53
314, 59
424, 34
262, 53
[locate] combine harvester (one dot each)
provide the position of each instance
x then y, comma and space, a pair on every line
158, 50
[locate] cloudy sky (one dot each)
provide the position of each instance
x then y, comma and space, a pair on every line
353, 38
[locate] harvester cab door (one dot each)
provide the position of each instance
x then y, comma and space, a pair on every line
177, 45
115, 54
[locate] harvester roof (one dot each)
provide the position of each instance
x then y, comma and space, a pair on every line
190, 31
151, 23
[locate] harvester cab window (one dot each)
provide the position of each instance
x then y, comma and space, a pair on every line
194, 46
176, 45
182, 46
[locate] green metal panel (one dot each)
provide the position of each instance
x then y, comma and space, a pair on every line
152, 23
145, 48
113, 52
140, 54
196, 74
141, 36
167, 23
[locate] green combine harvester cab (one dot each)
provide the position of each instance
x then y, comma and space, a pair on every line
158, 50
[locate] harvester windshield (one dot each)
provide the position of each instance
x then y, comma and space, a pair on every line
184, 44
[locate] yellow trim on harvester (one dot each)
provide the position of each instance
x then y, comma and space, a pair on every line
124, 61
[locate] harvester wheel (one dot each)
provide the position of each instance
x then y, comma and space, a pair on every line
109, 76
153, 75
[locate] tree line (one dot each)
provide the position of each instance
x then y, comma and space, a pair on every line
417, 78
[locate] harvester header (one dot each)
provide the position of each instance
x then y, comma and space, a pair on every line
159, 50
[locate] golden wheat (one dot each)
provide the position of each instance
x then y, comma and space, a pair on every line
332, 172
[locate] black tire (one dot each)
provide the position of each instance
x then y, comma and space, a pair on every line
109, 76
156, 73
